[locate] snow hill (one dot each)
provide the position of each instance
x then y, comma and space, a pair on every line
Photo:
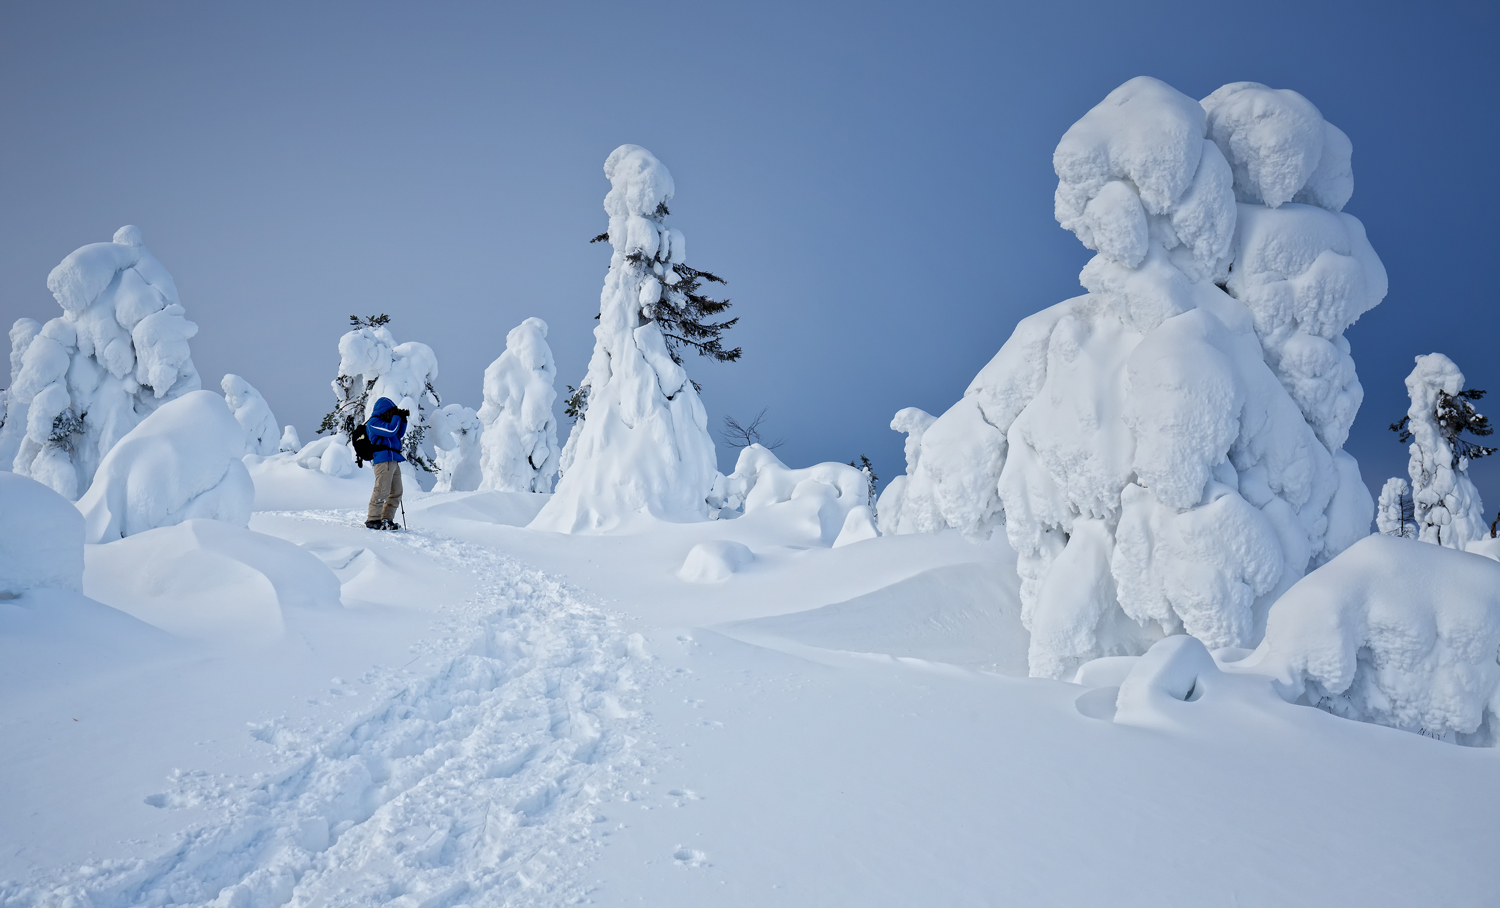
1120, 636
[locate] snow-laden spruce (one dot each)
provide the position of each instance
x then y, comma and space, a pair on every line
183, 461
12, 413
642, 445
371, 366
253, 413
518, 448
1446, 508
88, 377
1393, 512
455, 436
1165, 452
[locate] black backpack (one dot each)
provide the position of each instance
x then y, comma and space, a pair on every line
363, 449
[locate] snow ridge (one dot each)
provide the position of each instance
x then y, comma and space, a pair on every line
477, 781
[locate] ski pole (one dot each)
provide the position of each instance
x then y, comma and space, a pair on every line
403, 514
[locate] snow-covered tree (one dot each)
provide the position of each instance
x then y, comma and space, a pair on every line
455, 435
642, 444
1165, 452
251, 411
1446, 506
88, 377
371, 366
13, 414
291, 442
519, 450
1394, 513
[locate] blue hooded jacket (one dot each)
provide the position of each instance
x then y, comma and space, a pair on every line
386, 430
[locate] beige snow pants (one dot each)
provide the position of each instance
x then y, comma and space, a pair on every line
387, 495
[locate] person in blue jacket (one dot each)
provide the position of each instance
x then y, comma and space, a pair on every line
386, 429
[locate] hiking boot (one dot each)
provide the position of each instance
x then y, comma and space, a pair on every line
375, 524
389, 525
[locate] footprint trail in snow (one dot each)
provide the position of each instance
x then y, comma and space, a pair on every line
478, 783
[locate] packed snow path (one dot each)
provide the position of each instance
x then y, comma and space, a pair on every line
477, 781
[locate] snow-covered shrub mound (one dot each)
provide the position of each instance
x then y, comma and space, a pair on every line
182, 461
1392, 631
642, 444
291, 442
371, 366
519, 444
1165, 452
714, 561
41, 538
836, 490
913, 422
456, 433
118, 351
251, 411
207, 580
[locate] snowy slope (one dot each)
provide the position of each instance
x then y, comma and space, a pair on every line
497, 716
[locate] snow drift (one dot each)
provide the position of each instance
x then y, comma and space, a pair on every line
88, 377
519, 450
182, 461
41, 538
1165, 452
642, 445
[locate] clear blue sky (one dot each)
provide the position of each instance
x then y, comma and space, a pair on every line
874, 181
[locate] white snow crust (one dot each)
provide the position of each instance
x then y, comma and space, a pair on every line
1165, 453
119, 351
519, 451
41, 538
251, 411
182, 461
642, 446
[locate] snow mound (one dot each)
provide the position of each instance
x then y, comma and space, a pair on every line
41, 538
182, 461
207, 580
714, 561
519, 446
1165, 453
859, 525
282, 482
760, 480
119, 351
251, 411
1395, 632
641, 445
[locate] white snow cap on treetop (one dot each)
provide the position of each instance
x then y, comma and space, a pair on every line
639, 183
1279, 146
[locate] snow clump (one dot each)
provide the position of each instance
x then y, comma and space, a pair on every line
182, 461
519, 451
1165, 452
835, 495
88, 377
641, 445
251, 411
1394, 632
714, 561
41, 538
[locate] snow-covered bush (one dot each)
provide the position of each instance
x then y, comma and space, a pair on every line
1165, 452
118, 351
761, 480
371, 366
291, 442
252, 412
1394, 513
13, 414
1445, 505
455, 434
913, 422
185, 460
519, 450
642, 445
41, 538
1395, 632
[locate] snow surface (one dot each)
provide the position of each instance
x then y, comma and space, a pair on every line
1165, 452
519, 444
119, 351
41, 538
183, 461
642, 447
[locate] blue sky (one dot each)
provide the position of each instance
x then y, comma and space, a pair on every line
873, 180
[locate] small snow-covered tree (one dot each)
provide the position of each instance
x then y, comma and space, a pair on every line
117, 353
371, 366
642, 444
1394, 515
251, 411
291, 443
1447, 509
12, 414
455, 436
519, 451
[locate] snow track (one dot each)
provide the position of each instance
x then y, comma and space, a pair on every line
476, 784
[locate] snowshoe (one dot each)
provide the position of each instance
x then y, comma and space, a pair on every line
389, 525
375, 524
